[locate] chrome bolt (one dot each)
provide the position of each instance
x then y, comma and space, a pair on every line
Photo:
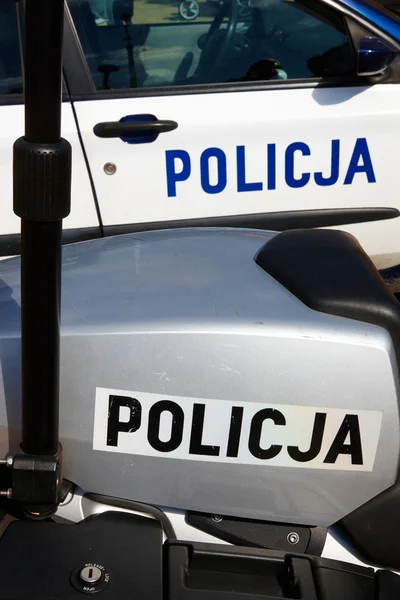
6, 493
293, 538
110, 168
217, 518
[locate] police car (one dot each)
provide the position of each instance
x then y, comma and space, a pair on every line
290, 108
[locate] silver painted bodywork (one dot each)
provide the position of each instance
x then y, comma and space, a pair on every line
190, 314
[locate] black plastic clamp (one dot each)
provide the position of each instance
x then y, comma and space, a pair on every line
37, 482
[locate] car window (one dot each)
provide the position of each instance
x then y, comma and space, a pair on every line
10, 60
158, 43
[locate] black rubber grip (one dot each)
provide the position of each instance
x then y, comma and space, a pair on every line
42, 180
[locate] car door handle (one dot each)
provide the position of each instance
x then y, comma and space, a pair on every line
132, 129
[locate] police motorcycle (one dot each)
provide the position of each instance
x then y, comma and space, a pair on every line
229, 400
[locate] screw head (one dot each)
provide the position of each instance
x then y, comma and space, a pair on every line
293, 538
110, 168
217, 518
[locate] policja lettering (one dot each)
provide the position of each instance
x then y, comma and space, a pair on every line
349, 430
298, 161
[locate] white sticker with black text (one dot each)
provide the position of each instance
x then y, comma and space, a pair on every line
253, 433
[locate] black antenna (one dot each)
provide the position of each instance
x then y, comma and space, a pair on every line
42, 192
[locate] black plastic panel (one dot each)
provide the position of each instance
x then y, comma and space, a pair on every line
330, 272
43, 561
37, 558
261, 534
371, 530
211, 572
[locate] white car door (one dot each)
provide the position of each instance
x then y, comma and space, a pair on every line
83, 214
254, 109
